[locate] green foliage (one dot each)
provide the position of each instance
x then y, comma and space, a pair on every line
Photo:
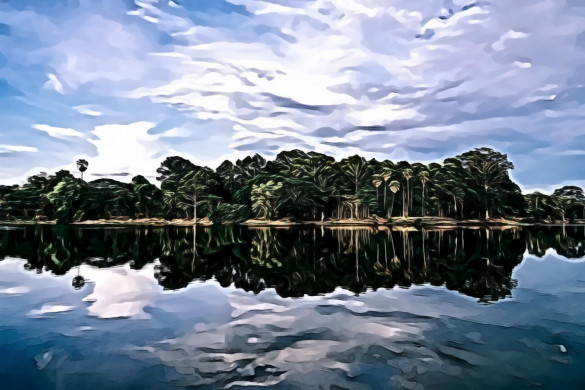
567, 197
297, 185
64, 197
489, 169
266, 199
230, 213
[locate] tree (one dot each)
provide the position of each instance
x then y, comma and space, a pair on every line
186, 186
197, 185
147, 196
116, 198
352, 202
315, 173
407, 174
249, 167
171, 171
386, 174
82, 166
376, 182
424, 178
451, 180
64, 197
540, 206
394, 188
489, 168
568, 197
355, 168
229, 175
266, 199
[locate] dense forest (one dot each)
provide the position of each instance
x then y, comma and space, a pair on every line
296, 186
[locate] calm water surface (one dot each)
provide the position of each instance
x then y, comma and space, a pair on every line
163, 308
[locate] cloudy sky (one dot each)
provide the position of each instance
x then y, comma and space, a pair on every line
125, 83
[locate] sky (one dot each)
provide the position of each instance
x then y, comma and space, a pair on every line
126, 83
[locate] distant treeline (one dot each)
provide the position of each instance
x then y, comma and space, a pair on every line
296, 185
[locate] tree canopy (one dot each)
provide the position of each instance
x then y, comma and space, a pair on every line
295, 185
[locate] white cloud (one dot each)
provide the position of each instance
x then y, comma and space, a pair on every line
58, 132
125, 148
88, 110
16, 148
54, 83
511, 34
175, 133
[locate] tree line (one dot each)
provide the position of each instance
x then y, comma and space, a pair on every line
296, 185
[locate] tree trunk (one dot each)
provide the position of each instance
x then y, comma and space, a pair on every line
392, 205
487, 214
195, 202
407, 199
403, 202
423, 251
385, 210
462, 216
410, 195
423, 199
195, 209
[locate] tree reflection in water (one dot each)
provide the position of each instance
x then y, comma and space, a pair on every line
299, 261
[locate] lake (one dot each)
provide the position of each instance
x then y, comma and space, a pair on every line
299, 308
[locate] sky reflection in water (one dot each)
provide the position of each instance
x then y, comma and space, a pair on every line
153, 312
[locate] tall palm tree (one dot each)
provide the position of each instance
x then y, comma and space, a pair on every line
394, 187
386, 175
82, 166
424, 178
407, 174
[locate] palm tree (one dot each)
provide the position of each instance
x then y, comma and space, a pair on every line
394, 187
407, 173
82, 166
424, 178
386, 175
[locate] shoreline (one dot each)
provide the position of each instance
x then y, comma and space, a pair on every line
413, 222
